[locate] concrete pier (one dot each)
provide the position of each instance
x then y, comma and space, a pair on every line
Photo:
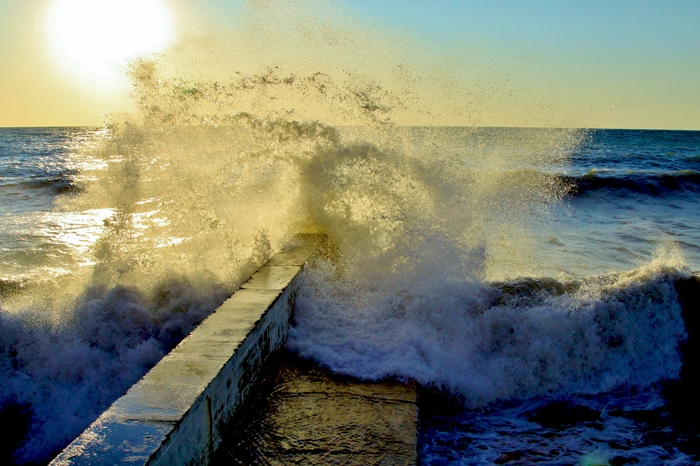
185, 410
174, 415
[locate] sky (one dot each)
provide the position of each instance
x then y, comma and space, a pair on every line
610, 64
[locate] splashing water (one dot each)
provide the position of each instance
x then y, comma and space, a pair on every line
240, 143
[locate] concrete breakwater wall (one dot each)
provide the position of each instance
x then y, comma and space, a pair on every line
174, 415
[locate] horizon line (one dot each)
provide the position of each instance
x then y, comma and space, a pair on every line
406, 126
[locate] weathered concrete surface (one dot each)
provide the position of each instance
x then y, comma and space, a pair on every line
312, 418
175, 413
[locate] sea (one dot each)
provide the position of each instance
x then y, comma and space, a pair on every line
508, 268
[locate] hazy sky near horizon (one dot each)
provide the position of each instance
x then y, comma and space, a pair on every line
614, 63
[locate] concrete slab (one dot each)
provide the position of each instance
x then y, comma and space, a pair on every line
170, 389
311, 417
271, 277
96, 445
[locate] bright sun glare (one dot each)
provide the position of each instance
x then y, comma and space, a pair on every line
97, 36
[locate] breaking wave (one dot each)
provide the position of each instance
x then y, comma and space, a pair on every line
652, 184
499, 341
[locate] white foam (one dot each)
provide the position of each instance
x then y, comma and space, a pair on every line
623, 332
69, 371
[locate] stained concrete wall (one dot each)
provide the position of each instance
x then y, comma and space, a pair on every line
175, 413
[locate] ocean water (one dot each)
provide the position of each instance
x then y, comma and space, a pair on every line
115, 242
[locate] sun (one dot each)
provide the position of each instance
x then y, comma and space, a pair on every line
96, 37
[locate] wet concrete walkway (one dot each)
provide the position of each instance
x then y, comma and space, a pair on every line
306, 416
